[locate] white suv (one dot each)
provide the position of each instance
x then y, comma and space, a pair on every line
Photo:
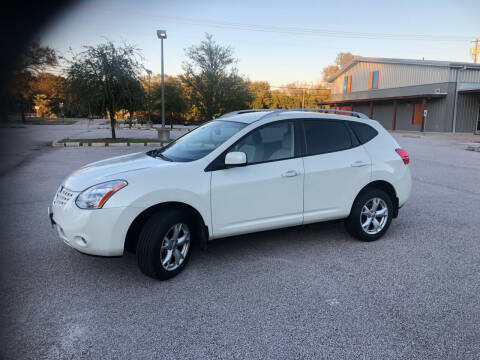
247, 171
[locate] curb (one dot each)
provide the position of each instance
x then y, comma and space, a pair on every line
474, 148
106, 144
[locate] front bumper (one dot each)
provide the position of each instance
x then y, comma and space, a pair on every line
96, 232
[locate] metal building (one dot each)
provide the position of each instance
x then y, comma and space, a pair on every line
418, 95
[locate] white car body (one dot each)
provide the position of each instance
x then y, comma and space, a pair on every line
231, 201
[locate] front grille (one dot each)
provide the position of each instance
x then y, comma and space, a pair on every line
62, 197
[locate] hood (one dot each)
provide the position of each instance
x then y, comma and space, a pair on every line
116, 168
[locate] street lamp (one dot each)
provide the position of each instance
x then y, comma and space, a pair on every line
149, 72
164, 135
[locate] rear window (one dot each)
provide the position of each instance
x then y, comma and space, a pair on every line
364, 132
325, 136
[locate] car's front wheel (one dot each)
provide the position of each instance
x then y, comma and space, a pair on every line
371, 215
164, 245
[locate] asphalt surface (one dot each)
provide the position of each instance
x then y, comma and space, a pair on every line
306, 292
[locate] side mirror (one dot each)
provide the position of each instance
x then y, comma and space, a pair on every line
235, 158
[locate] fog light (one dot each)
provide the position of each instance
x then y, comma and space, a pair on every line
80, 241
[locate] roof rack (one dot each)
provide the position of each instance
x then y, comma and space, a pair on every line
276, 111
246, 111
353, 113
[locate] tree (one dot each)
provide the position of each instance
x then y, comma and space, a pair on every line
32, 61
261, 95
329, 71
342, 60
102, 79
175, 97
42, 105
53, 87
135, 97
211, 81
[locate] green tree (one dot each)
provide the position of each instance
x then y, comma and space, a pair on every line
281, 100
102, 77
211, 81
176, 105
135, 97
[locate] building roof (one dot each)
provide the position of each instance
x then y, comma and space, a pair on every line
450, 64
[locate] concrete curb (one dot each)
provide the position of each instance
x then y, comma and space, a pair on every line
474, 148
106, 144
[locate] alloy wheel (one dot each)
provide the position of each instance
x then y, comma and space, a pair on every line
175, 246
374, 216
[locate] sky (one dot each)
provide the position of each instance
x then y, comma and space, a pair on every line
276, 41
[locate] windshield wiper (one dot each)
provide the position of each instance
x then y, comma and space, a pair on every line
158, 153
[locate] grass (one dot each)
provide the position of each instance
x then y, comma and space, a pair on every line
49, 122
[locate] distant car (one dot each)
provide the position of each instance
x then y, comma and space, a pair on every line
186, 123
244, 172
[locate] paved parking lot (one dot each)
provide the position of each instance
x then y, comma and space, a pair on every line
305, 292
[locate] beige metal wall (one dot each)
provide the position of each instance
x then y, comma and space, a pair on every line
392, 76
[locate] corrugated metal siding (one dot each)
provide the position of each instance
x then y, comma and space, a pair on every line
383, 113
439, 116
363, 108
404, 117
467, 112
391, 76
471, 76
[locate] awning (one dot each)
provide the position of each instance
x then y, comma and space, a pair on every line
469, 91
388, 98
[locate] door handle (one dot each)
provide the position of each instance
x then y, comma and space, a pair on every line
290, 173
359, 163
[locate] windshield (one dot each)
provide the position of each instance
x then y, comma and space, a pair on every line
201, 141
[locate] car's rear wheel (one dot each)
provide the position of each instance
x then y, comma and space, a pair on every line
164, 244
371, 215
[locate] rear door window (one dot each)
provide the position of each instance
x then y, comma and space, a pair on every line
325, 136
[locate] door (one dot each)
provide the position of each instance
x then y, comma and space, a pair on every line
336, 166
265, 194
417, 114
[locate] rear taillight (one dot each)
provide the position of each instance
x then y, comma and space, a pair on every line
404, 155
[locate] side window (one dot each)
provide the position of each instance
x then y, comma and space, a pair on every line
364, 132
325, 136
275, 141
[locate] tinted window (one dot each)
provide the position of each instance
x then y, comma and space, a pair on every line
324, 136
268, 143
364, 132
201, 141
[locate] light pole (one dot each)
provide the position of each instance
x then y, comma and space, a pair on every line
163, 134
149, 72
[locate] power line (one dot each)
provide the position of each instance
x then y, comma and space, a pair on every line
286, 29
298, 88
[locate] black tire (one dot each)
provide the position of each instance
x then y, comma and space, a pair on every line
150, 243
353, 223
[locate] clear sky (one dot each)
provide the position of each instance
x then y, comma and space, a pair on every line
278, 41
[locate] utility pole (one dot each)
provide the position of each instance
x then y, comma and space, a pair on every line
475, 51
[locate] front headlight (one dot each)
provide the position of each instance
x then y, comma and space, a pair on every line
96, 196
